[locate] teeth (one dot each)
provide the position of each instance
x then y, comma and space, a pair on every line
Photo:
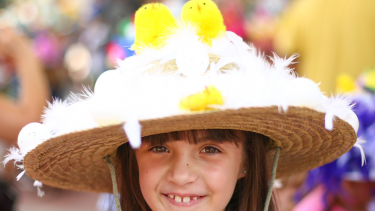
177, 199
186, 199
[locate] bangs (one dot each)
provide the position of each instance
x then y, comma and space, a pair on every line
197, 136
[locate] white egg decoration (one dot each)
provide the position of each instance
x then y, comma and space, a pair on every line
302, 92
192, 59
352, 119
31, 136
107, 82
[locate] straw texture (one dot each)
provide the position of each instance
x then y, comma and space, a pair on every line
76, 161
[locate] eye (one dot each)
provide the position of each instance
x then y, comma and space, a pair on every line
191, 7
159, 149
210, 150
145, 7
204, 3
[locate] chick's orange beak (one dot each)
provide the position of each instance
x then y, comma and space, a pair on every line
153, 6
199, 7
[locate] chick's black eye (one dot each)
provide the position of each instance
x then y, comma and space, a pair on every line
159, 149
191, 7
204, 3
209, 150
145, 7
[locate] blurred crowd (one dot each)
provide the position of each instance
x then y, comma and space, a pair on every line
49, 48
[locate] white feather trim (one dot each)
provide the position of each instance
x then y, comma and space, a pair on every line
329, 119
19, 176
14, 154
336, 106
282, 64
52, 114
156, 95
358, 145
133, 129
86, 93
39, 186
68, 116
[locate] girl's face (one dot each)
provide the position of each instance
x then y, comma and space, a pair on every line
179, 175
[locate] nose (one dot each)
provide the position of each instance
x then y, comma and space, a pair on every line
182, 171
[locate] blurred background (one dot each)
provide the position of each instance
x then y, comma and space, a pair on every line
56, 47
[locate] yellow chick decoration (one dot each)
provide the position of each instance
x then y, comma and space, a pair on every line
201, 101
206, 16
152, 23
344, 83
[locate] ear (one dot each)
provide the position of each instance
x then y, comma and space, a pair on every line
243, 170
242, 173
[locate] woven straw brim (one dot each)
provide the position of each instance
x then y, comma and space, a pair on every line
76, 161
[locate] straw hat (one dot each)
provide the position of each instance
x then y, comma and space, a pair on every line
228, 85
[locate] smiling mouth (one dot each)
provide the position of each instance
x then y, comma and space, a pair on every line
183, 200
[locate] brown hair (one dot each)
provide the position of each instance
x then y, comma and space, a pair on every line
250, 191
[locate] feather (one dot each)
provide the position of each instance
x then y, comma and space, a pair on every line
20, 175
53, 113
119, 63
329, 119
68, 116
20, 166
132, 129
336, 106
358, 145
39, 185
282, 64
85, 94
213, 70
14, 154
340, 106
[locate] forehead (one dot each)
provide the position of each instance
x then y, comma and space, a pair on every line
197, 136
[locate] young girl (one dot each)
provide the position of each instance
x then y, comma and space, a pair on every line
195, 170
197, 120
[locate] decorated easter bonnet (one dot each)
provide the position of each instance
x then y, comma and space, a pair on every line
185, 78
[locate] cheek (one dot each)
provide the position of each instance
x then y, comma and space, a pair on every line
221, 178
150, 176
145, 179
